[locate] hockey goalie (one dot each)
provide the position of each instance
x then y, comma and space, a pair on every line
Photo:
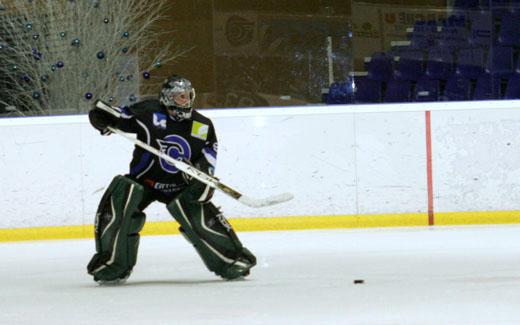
171, 125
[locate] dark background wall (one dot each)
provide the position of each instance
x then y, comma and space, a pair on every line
250, 53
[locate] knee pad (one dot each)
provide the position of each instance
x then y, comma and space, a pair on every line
206, 228
117, 226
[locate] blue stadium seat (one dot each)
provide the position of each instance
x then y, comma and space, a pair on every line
427, 90
509, 33
470, 63
398, 91
380, 66
453, 33
466, 4
494, 4
513, 87
439, 64
487, 87
367, 91
500, 61
484, 4
410, 66
340, 93
457, 88
456, 18
499, 9
500, 3
423, 35
481, 28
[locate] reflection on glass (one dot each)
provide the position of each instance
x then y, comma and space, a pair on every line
278, 55
365, 52
445, 51
308, 52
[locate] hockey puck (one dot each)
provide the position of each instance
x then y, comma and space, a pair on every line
359, 281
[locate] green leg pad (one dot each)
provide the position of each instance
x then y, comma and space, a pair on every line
208, 231
118, 223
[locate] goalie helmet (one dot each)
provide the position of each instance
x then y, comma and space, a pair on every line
177, 95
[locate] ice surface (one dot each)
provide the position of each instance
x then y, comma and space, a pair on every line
439, 275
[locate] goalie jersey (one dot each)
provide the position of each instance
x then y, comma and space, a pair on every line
191, 140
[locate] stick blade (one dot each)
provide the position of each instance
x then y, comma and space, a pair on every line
265, 202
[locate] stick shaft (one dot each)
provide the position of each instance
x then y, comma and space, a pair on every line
182, 166
194, 172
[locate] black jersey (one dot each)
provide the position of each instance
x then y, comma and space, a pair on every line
191, 140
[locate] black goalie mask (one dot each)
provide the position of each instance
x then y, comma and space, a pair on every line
177, 95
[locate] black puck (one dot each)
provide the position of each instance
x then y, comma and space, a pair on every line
359, 281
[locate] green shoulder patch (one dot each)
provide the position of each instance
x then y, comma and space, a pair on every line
199, 130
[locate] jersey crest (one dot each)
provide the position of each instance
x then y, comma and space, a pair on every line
176, 147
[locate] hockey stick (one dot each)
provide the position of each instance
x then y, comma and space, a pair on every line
197, 174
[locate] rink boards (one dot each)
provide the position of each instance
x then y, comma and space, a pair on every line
348, 166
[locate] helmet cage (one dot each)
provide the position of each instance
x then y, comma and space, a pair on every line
172, 88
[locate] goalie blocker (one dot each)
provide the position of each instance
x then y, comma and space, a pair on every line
119, 220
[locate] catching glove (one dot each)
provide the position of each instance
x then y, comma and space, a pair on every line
101, 120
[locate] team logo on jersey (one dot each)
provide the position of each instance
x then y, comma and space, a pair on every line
199, 130
176, 147
159, 120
